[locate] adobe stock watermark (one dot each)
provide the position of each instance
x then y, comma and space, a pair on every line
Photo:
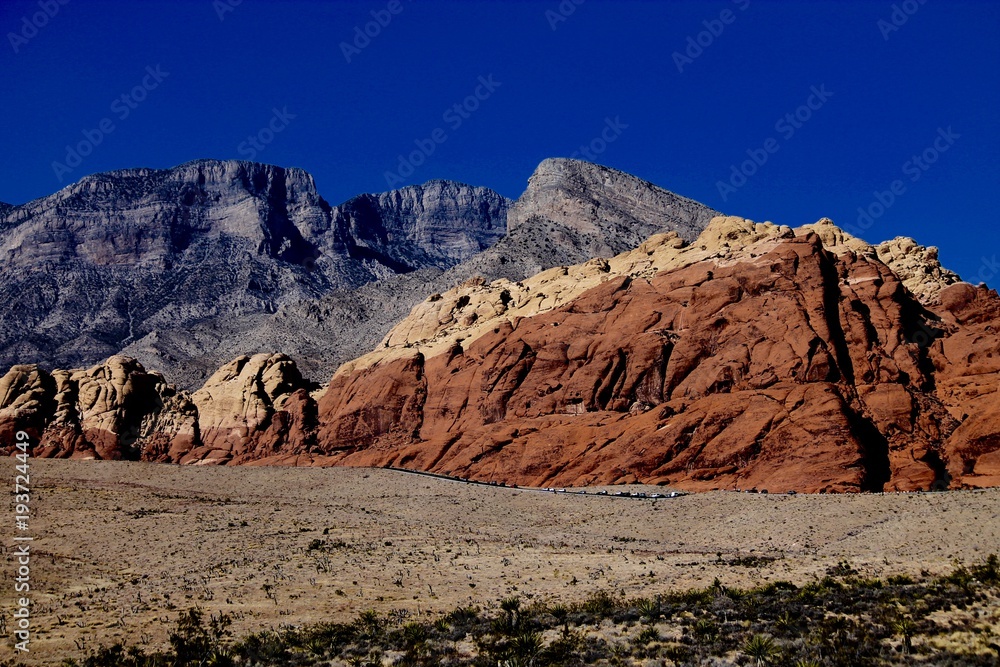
22, 542
900, 14
454, 117
31, 24
612, 129
122, 107
786, 126
255, 143
363, 35
696, 44
223, 7
913, 169
562, 12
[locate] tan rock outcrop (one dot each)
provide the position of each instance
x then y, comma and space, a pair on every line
112, 410
250, 407
918, 267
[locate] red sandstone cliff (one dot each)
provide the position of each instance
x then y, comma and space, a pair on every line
789, 370
754, 357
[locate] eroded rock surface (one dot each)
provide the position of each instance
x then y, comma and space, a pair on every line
755, 357
114, 410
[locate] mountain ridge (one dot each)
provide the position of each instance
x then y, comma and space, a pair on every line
122, 255
195, 265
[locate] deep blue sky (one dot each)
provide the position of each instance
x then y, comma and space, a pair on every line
613, 60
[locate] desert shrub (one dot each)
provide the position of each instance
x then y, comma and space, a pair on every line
195, 644
600, 603
841, 620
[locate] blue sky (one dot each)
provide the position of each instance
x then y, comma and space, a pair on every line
781, 111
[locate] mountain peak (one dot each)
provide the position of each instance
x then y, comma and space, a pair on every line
618, 208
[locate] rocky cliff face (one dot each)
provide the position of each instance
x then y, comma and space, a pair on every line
435, 225
756, 357
573, 211
139, 253
614, 208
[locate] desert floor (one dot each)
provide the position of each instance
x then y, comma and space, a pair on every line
120, 548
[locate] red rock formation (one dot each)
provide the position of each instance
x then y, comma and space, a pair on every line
754, 358
794, 369
967, 371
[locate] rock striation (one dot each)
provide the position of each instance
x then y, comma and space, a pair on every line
153, 255
754, 357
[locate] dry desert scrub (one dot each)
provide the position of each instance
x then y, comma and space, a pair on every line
840, 620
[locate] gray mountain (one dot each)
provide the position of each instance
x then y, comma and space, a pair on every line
598, 211
187, 268
125, 255
574, 210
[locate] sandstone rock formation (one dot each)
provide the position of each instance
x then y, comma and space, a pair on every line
113, 410
967, 365
749, 356
918, 267
251, 408
465, 312
754, 357
473, 308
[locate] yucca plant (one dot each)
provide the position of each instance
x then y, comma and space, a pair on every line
905, 628
649, 609
524, 650
761, 649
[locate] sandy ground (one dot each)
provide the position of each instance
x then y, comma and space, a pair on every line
121, 547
